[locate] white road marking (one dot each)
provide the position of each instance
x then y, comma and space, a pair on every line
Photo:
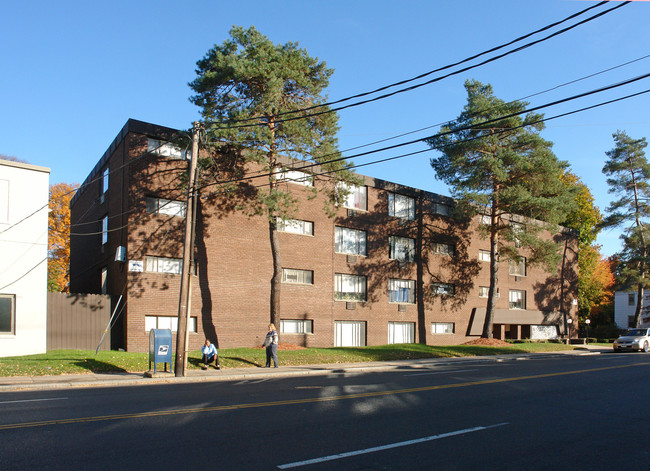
437, 372
35, 400
386, 447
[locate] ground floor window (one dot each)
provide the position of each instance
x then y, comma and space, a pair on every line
442, 327
349, 334
167, 322
296, 326
401, 332
7, 314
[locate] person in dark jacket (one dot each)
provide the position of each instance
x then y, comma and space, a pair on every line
271, 344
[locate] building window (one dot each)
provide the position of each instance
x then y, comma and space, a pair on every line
4, 201
401, 206
442, 209
166, 207
349, 287
401, 248
349, 334
401, 291
444, 249
7, 314
484, 290
485, 219
104, 280
104, 187
484, 255
401, 332
349, 241
296, 326
356, 196
104, 229
517, 228
631, 299
163, 265
442, 327
167, 322
517, 268
295, 226
300, 277
167, 149
444, 289
517, 299
294, 176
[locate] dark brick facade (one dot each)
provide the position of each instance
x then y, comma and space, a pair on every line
231, 288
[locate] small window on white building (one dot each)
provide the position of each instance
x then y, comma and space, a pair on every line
631, 299
442, 327
296, 326
295, 226
401, 332
300, 277
163, 265
349, 241
166, 207
4, 201
7, 314
401, 206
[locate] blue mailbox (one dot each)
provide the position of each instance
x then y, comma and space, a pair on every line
160, 348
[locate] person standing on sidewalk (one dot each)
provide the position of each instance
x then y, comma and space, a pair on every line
271, 344
210, 354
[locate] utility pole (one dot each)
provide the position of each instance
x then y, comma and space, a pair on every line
183, 315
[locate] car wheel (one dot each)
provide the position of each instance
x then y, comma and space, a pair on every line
645, 347
617, 350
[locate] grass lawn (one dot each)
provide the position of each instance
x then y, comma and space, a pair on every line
85, 361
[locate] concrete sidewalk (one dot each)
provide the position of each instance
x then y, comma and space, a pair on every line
22, 383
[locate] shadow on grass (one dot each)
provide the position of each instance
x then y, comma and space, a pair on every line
99, 366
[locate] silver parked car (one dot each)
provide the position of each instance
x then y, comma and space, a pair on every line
633, 339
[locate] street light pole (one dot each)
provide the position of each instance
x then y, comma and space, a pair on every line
587, 322
569, 321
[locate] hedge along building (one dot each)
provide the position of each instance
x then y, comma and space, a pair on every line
391, 266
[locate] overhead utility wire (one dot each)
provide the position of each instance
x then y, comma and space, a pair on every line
440, 69
437, 79
536, 108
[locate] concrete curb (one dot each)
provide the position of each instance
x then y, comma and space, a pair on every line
102, 380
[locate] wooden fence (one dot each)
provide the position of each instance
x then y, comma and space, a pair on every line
77, 321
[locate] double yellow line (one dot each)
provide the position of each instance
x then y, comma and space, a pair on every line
139, 415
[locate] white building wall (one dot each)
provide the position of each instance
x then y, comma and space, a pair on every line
24, 193
625, 305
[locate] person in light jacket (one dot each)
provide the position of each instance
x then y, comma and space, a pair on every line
210, 355
271, 344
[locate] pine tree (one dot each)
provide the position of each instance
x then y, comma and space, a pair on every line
497, 165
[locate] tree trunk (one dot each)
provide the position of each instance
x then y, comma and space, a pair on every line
639, 305
276, 279
494, 275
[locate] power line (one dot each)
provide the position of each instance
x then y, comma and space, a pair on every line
437, 79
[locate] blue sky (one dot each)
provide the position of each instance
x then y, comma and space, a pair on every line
74, 72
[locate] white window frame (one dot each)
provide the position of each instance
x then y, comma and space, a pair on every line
167, 149
485, 219
401, 249
297, 177
349, 334
166, 207
296, 326
484, 256
8, 313
105, 230
295, 226
517, 268
443, 289
401, 332
356, 198
168, 322
172, 266
442, 209
104, 189
442, 328
401, 206
517, 299
517, 228
397, 293
444, 249
484, 290
295, 276
350, 288
350, 241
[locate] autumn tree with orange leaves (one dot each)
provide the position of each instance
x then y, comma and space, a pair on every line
58, 266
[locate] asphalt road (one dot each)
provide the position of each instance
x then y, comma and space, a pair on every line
573, 412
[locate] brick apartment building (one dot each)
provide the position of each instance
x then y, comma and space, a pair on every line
390, 267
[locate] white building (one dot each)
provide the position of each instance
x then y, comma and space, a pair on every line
24, 194
625, 305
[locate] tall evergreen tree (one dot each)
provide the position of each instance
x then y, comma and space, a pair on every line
251, 93
628, 173
497, 165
